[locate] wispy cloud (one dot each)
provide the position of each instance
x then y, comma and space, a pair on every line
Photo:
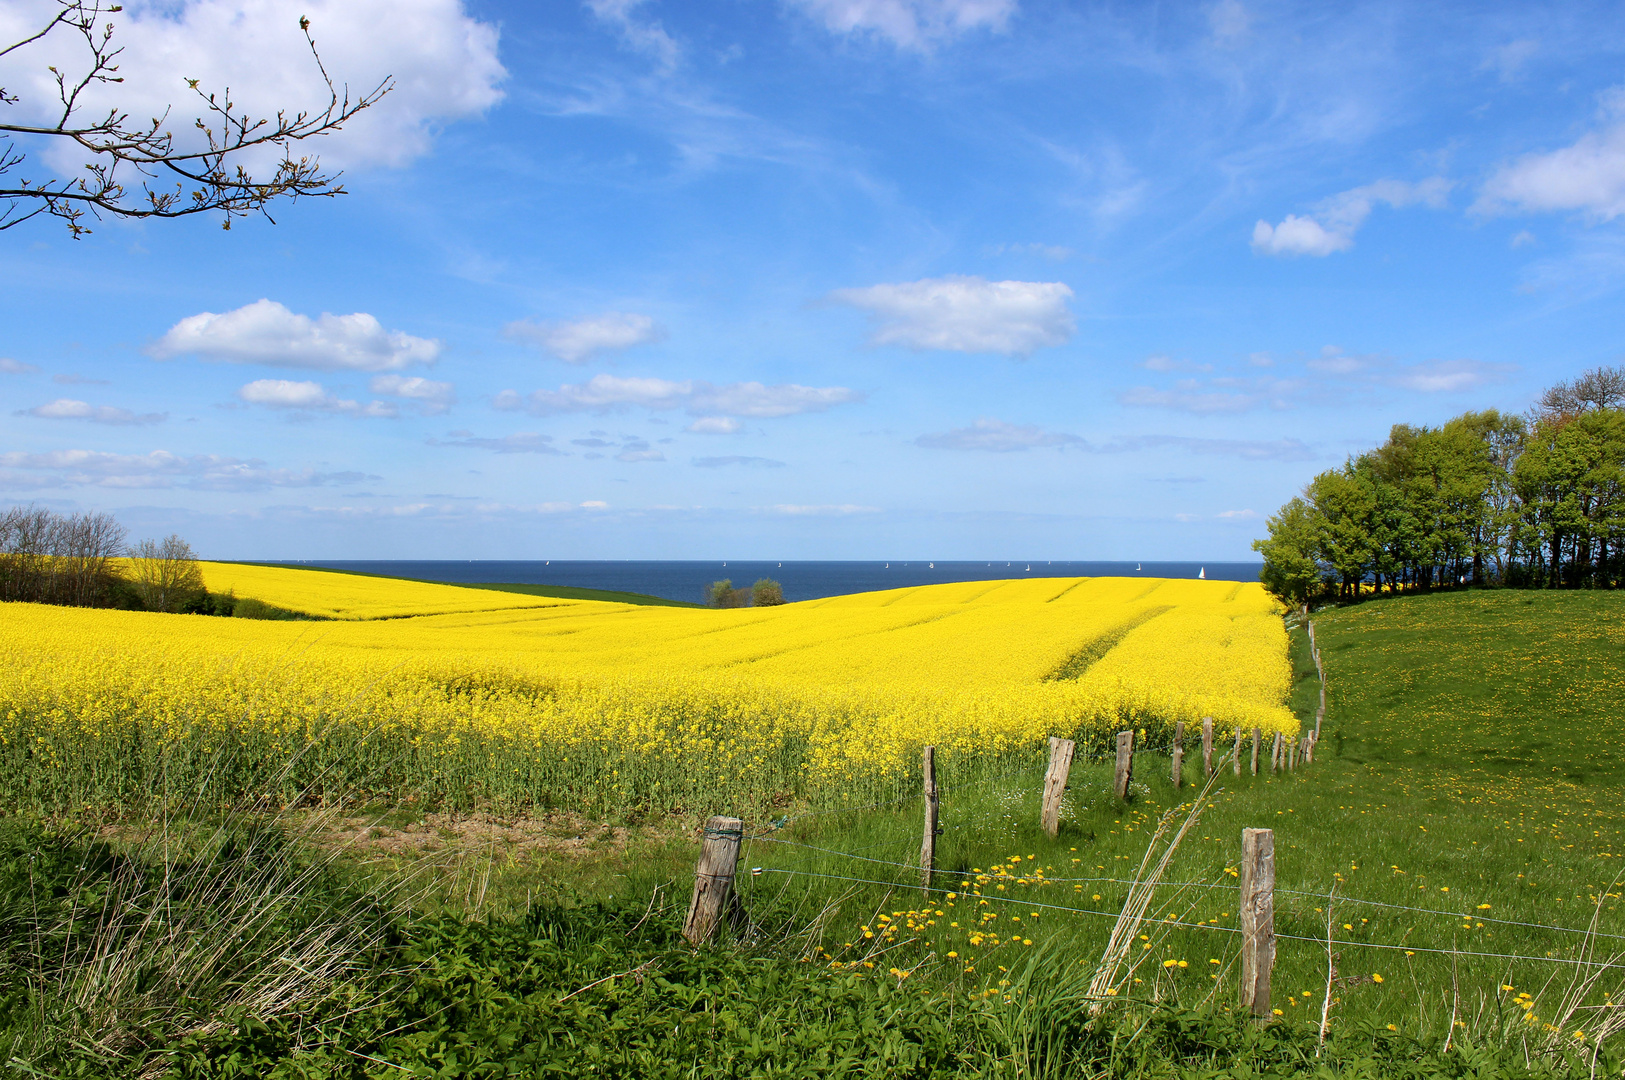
640, 34
160, 469
521, 442
919, 25
996, 436
1331, 226
69, 409
9, 366
612, 393
737, 459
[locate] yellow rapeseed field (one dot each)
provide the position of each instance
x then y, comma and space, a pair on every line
449, 694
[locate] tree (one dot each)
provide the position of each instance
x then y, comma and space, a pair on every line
208, 173
1291, 571
766, 593
723, 594
165, 574
1599, 388
50, 558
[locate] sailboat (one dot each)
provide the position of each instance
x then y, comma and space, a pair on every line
931, 566
1136, 566
1201, 574
1029, 567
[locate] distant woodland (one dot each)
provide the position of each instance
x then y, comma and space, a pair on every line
1489, 498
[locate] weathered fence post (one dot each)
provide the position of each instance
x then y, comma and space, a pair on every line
1060, 767
1235, 756
1125, 764
713, 878
1179, 754
1308, 749
1257, 918
1275, 754
1207, 748
1258, 737
928, 846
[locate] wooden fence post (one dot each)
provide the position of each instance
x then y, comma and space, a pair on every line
1207, 748
1179, 754
1060, 767
1257, 918
928, 846
1125, 764
714, 878
1258, 737
1275, 754
1235, 757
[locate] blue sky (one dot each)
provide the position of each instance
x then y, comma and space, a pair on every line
820, 278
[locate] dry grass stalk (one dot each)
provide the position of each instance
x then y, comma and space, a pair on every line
1110, 974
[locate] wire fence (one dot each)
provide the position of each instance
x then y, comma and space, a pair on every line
966, 884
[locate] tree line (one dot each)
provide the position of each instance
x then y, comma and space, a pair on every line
1489, 498
83, 560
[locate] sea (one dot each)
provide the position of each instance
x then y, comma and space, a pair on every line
800, 580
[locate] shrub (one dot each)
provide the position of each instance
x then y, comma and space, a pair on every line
766, 593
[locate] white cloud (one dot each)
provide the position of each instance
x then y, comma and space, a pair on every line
640, 453
998, 437
9, 366
1298, 236
1523, 239
431, 398
69, 409
1588, 177
578, 342
308, 396
1237, 515
443, 62
644, 36
265, 332
159, 469
910, 24
715, 425
966, 314
608, 393
1334, 222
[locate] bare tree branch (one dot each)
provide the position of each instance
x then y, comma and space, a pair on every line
132, 165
